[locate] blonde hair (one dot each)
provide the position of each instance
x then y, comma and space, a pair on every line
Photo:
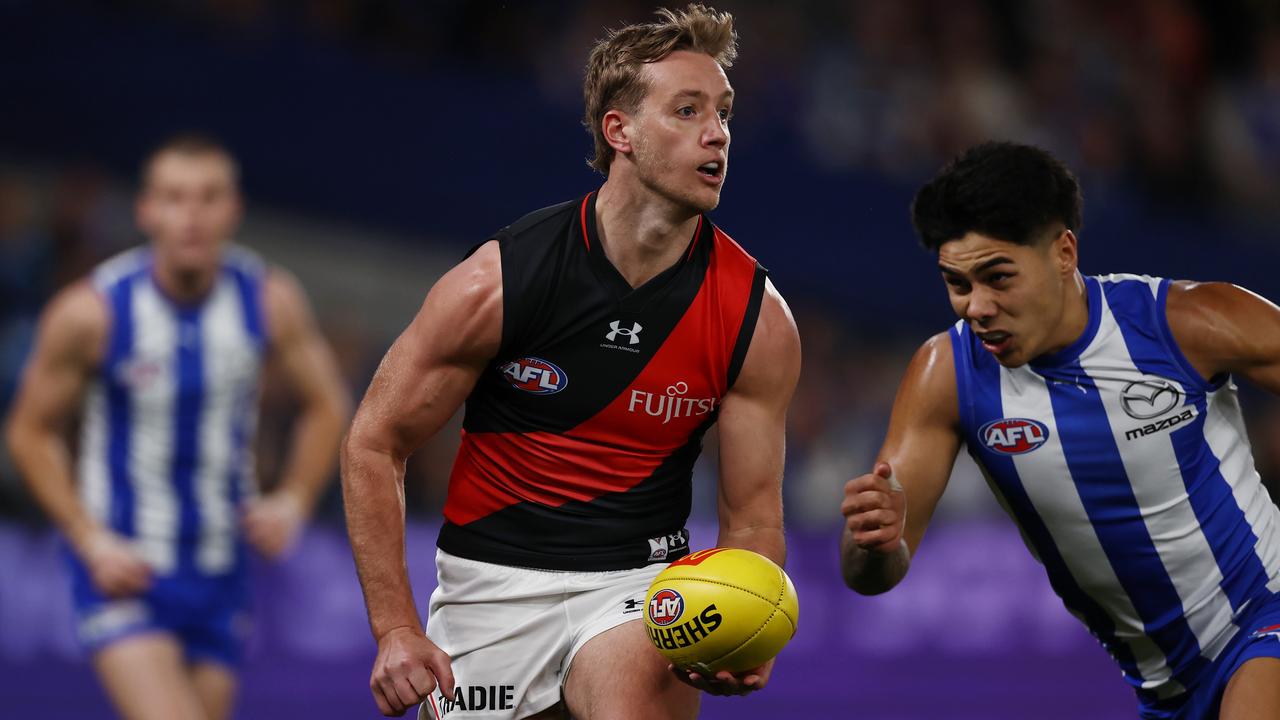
613, 79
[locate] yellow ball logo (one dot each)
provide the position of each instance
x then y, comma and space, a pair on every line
721, 609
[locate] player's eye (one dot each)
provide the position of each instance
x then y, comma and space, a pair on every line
726, 114
686, 111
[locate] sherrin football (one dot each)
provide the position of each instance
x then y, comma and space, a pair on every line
721, 609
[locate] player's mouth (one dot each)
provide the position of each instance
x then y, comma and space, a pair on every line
712, 172
997, 342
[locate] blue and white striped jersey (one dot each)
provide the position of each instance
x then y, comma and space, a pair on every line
1132, 480
166, 453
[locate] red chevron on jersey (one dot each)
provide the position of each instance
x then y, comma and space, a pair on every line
587, 476
545, 468
688, 376
629, 439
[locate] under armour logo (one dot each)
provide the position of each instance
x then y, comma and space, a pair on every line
632, 335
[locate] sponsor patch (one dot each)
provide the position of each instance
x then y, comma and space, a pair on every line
1150, 398
535, 375
661, 548
1161, 425
469, 698
1013, 436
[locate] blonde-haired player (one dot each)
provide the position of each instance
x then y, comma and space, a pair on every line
594, 342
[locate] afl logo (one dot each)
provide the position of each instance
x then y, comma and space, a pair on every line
665, 607
1013, 436
535, 375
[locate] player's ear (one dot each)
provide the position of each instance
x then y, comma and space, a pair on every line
617, 127
1066, 252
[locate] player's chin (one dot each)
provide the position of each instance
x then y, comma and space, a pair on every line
708, 200
1011, 358
703, 199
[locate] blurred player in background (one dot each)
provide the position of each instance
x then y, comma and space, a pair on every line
161, 350
594, 343
1103, 412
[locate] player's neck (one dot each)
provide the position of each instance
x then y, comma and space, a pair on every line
642, 234
1075, 315
184, 287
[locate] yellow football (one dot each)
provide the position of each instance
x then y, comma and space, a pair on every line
721, 609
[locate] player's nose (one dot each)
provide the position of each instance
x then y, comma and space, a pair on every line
981, 305
714, 133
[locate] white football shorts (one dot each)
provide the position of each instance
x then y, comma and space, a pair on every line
512, 632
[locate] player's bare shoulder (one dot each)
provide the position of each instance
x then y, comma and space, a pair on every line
284, 303
1222, 327
476, 282
773, 357
929, 385
776, 328
461, 318
76, 324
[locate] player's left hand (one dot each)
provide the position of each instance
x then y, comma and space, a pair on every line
272, 523
725, 682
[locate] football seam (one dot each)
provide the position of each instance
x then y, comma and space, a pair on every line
750, 637
737, 587
782, 592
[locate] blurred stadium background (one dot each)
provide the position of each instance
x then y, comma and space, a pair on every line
381, 138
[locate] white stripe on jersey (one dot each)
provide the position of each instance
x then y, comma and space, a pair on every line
1047, 481
151, 439
1229, 441
95, 478
1165, 506
223, 330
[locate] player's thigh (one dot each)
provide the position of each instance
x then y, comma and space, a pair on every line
215, 686
146, 677
617, 675
1253, 693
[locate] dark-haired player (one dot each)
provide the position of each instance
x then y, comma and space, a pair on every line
1104, 412
594, 342
160, 351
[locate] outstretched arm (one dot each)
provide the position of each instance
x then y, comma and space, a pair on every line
273, 522
68, 348
887, 510
1223, 328
422, 381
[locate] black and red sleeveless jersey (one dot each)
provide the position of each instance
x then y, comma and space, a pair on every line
579, 440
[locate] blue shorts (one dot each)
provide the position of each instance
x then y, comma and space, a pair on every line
1259, 636
209, 615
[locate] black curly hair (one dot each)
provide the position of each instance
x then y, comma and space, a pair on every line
1004, 190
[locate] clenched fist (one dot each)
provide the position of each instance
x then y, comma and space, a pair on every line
875, 510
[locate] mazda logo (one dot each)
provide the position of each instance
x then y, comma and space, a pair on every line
1152, 397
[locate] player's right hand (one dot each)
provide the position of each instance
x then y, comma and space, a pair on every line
407, 670
875, 510
114, 566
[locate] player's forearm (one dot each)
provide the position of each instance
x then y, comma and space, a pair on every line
44, 462
314, 449
869, 572
769, 541
373, 494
